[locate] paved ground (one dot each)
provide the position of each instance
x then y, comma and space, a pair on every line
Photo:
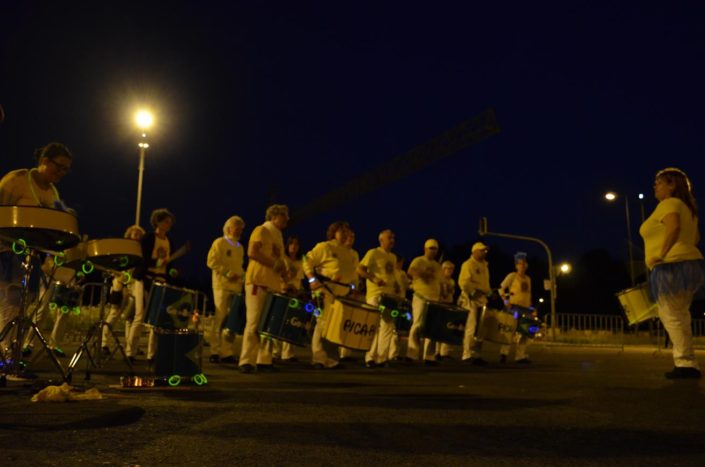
573, 406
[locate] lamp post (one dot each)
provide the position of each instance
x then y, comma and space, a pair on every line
612, 196
144, 121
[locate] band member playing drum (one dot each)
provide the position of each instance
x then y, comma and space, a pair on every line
474, 283
377, 268
295, 274
156, 251
345, 353
447, 296
677, 268
331, 260
516, 290
266, 271
29, 187
225, 260
117, 298
425, 274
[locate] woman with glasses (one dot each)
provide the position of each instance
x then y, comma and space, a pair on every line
37, 186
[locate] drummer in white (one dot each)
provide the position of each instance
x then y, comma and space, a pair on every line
474, 283
29, 187
225, 260
516, 289
377, 268
266, 271
425, 273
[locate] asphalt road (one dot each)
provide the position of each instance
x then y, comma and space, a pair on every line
572, 406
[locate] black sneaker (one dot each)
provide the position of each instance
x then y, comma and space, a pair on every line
214, 358
319, 366
370, 364
229, 359
290, 360
478, 361
247, 368
430, 363
523, 361
444, 358
683, 372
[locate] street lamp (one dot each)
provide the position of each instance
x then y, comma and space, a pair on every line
143, 120
612, 196
565, 268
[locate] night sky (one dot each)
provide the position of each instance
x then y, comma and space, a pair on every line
284, 101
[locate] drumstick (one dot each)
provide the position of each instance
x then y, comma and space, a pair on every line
181, 251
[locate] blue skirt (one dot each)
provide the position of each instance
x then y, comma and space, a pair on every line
676, 278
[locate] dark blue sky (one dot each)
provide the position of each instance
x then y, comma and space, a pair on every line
295, 98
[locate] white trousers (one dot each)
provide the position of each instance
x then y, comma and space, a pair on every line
322, 351
520, 352
472, 347
223, 343
379, 352
255, 350
138, 324
413, 350
674, 312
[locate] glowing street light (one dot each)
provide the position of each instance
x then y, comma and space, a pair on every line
565, 268
144, 120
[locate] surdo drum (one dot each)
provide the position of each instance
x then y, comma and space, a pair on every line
173, 307
351, 324
444, 322
287, 318
497, 326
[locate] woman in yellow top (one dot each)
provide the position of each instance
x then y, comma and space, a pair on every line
677, 267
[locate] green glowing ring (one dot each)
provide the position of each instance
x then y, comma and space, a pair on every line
173, 272
53, 306
80, 275
174, 380
395, 313
76, 311
198, 379
22, 242
87, 267
205, 380
65, 309
382, 308
126, 277
124, 261
59, 259
294, 303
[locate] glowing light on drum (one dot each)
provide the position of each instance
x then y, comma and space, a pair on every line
395, 313
174, 380
59, 259
65, 309
294, 303
76, 311
309, 307
124, 261
87, 267
23, 245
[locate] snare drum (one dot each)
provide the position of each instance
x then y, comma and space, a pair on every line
637, 304
172, 307
444, 322
351, 324
237, 316
527, 324
397, 310
178, 352
287, 318
497, 326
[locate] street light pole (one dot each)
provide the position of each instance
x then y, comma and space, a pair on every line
629, 240
143, 148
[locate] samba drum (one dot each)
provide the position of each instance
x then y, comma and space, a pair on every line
444, 322
288, 319
237, 316
527, 324
178, 352
497, 326
351, 324
172, 307
637, 304
397, 310
38, 227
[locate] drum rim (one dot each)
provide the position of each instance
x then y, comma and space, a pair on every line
363, 305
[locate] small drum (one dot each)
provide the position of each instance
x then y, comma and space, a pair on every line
65, 299
173, 307
178, 352
527, 324
237, 316
497, 326
444, 322
637, 305
351, 324
397, 310
287, 318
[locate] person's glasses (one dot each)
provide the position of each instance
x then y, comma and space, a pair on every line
61, 167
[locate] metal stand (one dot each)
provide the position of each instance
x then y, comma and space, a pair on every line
21, 325
92, 344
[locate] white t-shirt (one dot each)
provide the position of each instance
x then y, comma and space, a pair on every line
429, 289
380, 264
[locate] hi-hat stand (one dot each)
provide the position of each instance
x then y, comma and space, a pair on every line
14, 364
92, 344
